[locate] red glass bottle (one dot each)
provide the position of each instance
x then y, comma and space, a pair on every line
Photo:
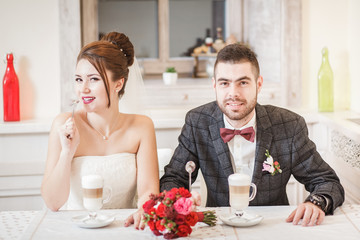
11, 92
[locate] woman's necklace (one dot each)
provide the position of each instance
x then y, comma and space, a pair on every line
104, 137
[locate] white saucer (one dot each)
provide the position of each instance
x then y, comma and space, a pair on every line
245, 220
84, 221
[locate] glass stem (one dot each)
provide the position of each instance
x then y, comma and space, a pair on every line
92, 215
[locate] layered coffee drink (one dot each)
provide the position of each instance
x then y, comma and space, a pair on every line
92, 186
239, 187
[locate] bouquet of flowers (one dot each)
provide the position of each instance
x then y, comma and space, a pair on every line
171, 214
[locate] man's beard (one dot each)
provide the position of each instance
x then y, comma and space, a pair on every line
238, 115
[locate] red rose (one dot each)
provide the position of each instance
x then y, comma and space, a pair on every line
175, 191
200, 216
159, 225
184, 230
160, 211
170, 213
170, 235
148, 205
170, 195
167, 202
192, 219
180, 219
184, 192
156, 232
152, 212
151, 225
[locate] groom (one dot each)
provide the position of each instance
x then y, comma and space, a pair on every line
235, 133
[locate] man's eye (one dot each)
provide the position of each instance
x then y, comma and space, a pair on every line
223, 83
78, 80
244, 83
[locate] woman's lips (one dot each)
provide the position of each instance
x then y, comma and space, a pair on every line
87, 100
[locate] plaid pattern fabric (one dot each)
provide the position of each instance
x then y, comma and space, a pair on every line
280, 131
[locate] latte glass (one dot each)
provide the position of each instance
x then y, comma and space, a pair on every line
93, 197
239, 188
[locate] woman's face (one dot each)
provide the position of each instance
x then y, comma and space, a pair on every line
90, 87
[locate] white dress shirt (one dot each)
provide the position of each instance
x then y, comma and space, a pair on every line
242, 151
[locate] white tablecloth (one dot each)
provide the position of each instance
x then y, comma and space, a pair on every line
344, 224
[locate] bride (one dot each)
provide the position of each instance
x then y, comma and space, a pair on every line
98, 139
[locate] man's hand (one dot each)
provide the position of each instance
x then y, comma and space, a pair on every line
310, 214
196, 198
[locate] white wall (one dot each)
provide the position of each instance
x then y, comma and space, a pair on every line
354, 52
335, 24
30, 29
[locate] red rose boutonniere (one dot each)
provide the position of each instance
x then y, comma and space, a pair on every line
271, 166
171, 214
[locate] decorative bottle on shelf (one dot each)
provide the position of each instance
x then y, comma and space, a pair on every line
219, 42
208, 41
11, 92
325, 84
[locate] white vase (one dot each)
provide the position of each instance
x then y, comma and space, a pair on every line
170, 78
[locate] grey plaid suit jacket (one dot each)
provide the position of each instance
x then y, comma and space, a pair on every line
280, 131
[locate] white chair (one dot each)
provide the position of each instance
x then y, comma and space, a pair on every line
164, 156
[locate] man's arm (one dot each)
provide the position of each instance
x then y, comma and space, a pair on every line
310, 169
318, 177
175, 173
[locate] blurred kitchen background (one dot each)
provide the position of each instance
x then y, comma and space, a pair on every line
45, 37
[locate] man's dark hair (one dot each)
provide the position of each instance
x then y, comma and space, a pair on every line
238, 53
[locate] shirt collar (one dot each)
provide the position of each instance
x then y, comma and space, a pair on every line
251, 123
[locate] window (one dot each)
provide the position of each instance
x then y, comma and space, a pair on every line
162, 31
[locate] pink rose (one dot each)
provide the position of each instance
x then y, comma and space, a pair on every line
183, 205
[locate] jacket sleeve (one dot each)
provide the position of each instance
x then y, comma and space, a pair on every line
175, 173
310, 169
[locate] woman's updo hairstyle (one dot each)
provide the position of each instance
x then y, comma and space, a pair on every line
115, 53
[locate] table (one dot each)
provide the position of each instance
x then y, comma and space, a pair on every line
344, 224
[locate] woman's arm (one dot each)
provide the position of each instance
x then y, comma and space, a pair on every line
147, 163
147, 168
63, 141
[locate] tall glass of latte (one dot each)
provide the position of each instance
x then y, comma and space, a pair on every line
239, 188
93, 187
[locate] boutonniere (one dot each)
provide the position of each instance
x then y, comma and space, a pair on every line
271, 166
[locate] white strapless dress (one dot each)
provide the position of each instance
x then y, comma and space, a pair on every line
119, 173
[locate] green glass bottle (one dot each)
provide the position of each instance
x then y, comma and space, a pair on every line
325, 84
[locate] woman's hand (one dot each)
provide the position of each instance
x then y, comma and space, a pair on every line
136, 219
69, 136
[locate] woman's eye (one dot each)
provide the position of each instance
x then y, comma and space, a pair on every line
94, 79
78, 80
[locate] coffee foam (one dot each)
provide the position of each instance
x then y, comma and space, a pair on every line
238, 179
92, 181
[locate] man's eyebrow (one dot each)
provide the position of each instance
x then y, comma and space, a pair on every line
239, 79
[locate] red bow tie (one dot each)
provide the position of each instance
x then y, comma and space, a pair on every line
228, 134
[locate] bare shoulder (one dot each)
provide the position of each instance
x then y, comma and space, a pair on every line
141, 122
61, 118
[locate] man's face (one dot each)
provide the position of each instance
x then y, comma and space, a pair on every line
236, 91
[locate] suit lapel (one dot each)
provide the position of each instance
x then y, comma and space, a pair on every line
221, 148
263, 141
